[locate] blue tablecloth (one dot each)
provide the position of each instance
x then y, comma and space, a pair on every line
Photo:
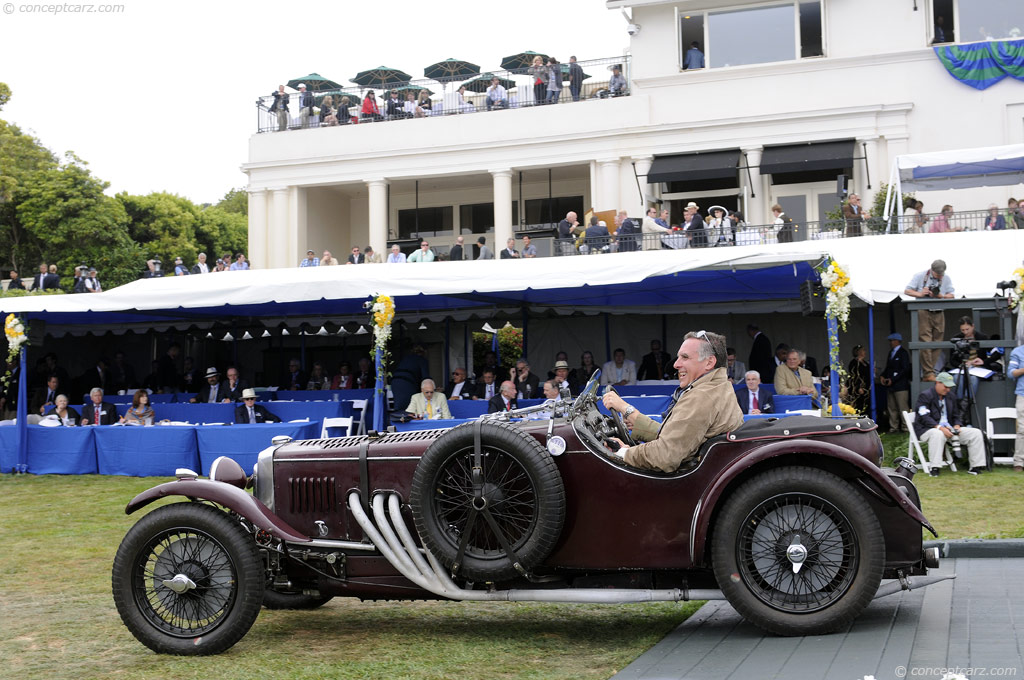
468, 408
646, 405
791, 402
242, 443
51, 450
127, 398
145, 451
646, 390
323, 395
316, 411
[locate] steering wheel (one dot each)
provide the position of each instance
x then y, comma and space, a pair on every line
620, 424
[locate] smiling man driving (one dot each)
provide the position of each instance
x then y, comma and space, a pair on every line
703, 406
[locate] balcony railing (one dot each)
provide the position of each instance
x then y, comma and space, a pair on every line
444, 98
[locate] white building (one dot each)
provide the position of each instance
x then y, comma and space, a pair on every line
793, 94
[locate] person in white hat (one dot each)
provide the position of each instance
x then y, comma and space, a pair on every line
212, 392
562, 380
251, 413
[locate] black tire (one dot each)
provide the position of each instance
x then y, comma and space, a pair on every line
523, 491
275, 600
843, 550
215, 553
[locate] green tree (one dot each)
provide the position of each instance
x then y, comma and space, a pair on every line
5, 95
235, 201
219, 231
164, 225
65, 214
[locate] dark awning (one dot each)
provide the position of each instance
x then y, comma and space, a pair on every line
694, 166
808, 156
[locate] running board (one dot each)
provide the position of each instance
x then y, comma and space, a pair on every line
390, 535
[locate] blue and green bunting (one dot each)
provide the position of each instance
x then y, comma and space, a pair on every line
982, 65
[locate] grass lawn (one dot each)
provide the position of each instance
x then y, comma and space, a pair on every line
58, 536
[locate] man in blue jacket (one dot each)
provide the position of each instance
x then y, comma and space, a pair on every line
938, 421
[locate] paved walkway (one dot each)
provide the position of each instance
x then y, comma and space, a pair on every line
972, 625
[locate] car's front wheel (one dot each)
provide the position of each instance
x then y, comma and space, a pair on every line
188, 580
797, 551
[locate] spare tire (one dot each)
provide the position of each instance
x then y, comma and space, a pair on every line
521, 490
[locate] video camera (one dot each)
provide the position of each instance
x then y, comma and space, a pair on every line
962, 349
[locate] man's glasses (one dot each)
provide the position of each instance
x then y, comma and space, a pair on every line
703, 335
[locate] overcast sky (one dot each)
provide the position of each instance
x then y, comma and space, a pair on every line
161, 96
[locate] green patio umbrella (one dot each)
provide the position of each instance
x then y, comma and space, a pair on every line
415, 89
336, 96
450, 69
518, 63
483, 82
565, 72
314, 82
382, 77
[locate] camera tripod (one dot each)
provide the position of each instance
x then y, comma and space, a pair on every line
969, 407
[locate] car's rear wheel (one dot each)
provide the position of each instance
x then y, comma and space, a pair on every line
797, 551
275, 600
188, 580
490, 524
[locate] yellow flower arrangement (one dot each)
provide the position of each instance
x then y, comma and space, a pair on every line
382, 313
17, 335
1018, 292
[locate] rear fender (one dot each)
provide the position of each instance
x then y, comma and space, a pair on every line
713, 494
229, 496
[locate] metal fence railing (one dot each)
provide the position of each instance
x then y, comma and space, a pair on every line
441, 99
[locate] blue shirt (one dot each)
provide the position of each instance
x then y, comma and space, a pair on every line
314, 262
1017, 361
694, 59
919, 280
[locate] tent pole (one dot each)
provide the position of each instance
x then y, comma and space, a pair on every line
448, 346
833, 372
607, 338
302, 346
871, 356
22, 466
526, 322
466, 354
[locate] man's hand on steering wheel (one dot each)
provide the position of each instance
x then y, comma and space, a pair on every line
616, 405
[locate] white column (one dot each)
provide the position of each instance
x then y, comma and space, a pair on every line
756, 206
502, 207
257, 230
278, 229
637, 196
608, 170
595, 188
378, 214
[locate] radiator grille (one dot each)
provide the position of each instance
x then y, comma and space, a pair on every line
312, 494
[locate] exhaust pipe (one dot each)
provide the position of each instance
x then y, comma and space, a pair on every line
908, 583
389, 533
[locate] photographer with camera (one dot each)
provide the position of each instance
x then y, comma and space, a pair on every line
931, 283
939, 422
966, 355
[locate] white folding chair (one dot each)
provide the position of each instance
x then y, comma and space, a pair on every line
360, 405
990, 430
914, 444
344, 423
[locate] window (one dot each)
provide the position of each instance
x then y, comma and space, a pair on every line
478, 218
990, 20
432, 222
541, 211
943, 29
760, 35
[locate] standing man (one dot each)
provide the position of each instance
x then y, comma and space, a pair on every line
355, 257
735, 369
92, 284
529, 250
239, 264
179, 267
703, 406
510, 252
761, 358
625, 232
505, 400
485, 252
15, 283
566, 229
39, 280
694, 57
931, 283
785, 224
1015, 370
938, 420
896, 378
305, 105
424, 254
854, 215
396, 256
456, 254
280, 107
200, 267
575, 78
52, 281
311, 259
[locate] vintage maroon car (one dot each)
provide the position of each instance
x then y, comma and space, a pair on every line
791, 519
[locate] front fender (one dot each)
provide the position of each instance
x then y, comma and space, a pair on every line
714, 491
227, 495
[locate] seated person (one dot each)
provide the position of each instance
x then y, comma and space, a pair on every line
753, 398
486, 388
233, 385
703, 406
45, 397
791, 379
618, 371
562, 380
938, 418
458, 388
98, 412
428, 403
974, 358
250, 413
214, 391
140, 412
68, 416
505, 400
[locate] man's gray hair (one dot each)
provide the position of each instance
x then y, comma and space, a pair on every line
799, 352
427, 381
752, 373
715, 346
95, 390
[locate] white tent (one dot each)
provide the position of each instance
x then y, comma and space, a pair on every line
957, 169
